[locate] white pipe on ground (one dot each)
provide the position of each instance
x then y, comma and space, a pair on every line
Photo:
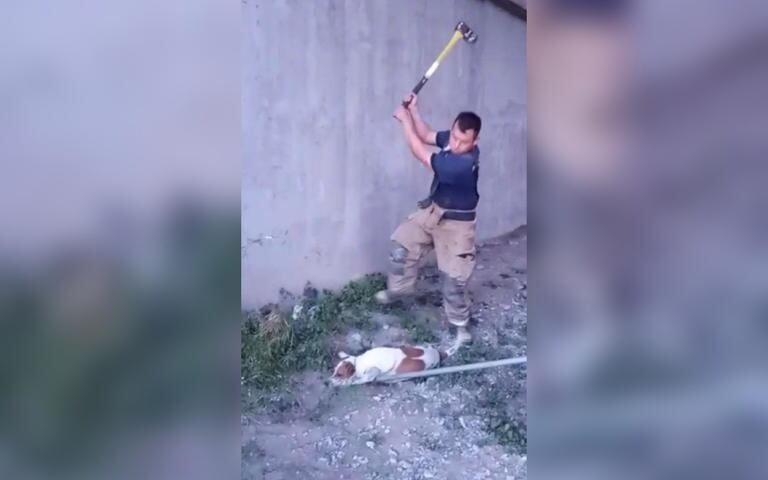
453, 369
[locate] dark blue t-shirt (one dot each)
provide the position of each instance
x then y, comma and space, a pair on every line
455, 183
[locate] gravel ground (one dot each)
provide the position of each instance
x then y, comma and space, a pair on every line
457, 426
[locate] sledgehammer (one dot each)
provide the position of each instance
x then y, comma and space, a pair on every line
462, 30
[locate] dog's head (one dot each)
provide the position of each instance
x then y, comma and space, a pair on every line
345, 369
343, 372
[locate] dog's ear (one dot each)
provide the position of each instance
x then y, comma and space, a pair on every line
443, 355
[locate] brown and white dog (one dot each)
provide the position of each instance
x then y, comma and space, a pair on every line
353, 370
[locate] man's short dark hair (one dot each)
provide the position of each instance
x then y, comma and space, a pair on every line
469, 121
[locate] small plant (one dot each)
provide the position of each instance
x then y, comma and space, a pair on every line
264, 342
511, 433
360, 294
418, 330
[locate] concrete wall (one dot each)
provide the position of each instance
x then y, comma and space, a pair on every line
326, 173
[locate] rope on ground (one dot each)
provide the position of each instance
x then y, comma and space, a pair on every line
453, 369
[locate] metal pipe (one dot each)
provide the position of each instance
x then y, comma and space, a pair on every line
455, 368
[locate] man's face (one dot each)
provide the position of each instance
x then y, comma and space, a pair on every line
461, 142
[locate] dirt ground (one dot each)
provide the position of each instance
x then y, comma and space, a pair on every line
458, 426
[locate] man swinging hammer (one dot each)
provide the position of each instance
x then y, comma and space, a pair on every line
445, 220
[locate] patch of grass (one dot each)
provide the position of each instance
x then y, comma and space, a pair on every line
510, 433
418, 330
264, 342
273, 345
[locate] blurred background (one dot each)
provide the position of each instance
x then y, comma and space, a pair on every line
647, 259
119, 240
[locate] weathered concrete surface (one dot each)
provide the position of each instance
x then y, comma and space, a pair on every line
326, 174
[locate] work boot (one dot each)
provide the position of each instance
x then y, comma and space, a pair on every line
462, 337
384, 297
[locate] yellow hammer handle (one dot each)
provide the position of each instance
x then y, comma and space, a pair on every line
455, 38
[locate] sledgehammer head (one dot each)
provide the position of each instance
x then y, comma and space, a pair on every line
469, 35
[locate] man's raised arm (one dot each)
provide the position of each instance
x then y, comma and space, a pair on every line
424, 131
418, 148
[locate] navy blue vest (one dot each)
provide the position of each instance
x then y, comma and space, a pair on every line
454, 185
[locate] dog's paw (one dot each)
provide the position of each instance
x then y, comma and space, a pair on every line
343, 355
